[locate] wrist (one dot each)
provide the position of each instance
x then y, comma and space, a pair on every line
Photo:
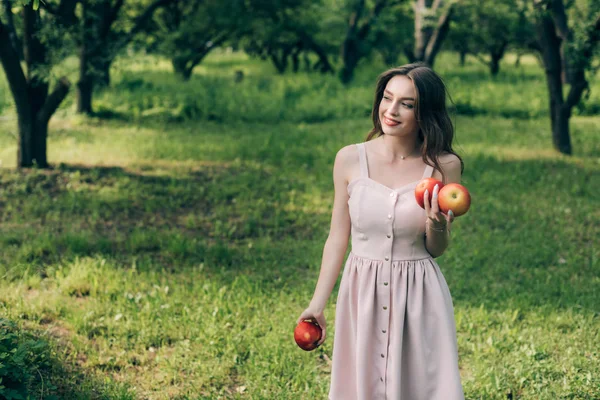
436, 227
316, 307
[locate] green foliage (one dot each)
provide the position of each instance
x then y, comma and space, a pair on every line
21, 358
173, 254
486, 26
286, 29
186, 31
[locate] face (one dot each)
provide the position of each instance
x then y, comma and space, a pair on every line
396, 109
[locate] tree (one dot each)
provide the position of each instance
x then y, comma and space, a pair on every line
393, 32
34, 102
568, 47
489, 27
187, 31
282, 30
356, 44
105, 29
432, 22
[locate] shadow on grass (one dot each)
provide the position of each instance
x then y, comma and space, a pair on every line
526, 241
173, 220
34, 368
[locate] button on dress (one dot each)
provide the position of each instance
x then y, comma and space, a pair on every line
395, 335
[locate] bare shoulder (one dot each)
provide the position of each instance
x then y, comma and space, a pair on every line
339, 231
345, 159
450, 164
449, 159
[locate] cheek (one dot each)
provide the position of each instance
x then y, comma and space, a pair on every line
409, 116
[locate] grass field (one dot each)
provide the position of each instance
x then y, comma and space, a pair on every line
179, 236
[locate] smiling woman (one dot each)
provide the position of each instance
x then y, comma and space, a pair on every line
395, 335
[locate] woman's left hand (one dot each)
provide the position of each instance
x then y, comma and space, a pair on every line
437, 219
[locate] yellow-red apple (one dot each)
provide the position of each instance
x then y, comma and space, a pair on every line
307, 334
455, 197
426, 184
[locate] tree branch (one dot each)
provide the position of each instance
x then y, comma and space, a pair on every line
66, 12
592, 40
580, 84
142, 19
481, 59
560, 20
436, 4
111, 18
12, 32
438, 35
14, 74
364, 29
53, 100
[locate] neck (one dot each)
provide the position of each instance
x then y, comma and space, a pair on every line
394, 148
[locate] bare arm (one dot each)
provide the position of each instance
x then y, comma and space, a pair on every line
437, 242
339, 233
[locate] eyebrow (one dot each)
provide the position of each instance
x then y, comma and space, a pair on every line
405, 98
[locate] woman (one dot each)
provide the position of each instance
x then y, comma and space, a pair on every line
395, 335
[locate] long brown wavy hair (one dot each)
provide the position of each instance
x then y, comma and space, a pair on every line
436, 131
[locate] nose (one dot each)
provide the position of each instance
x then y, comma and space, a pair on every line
394, 109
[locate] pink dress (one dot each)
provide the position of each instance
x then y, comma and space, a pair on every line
395, 335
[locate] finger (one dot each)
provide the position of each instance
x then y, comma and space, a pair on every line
426, 201
434, 201
301, 318
450, 215
324, 332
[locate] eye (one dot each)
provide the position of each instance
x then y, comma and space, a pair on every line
385, 97
407, 105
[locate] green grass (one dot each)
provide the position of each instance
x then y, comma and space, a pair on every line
169, 253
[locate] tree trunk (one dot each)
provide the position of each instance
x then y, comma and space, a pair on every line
308, 43
494, 65
437, 37
561, 138
84, 97
35, 57
463, 56
100, 45
422, 34
350, 57
496, 55
181, 69
89, 41
349, 49
10, 26
428, 41
34, 106
559, 115
296, 61
104, 71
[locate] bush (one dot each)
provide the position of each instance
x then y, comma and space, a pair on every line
21, 359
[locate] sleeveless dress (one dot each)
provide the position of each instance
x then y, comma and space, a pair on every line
395, 335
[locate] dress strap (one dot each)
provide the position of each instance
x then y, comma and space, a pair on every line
428, 172
362, 157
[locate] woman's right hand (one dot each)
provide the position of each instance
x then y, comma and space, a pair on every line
318, 317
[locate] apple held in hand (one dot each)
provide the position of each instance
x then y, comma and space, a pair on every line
426, 184
307, 334
455, 197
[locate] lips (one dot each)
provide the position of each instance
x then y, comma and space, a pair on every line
390, 122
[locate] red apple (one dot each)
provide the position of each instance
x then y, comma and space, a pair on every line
426, 184
455, 197
307, 334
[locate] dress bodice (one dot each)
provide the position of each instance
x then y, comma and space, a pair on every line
387, 224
